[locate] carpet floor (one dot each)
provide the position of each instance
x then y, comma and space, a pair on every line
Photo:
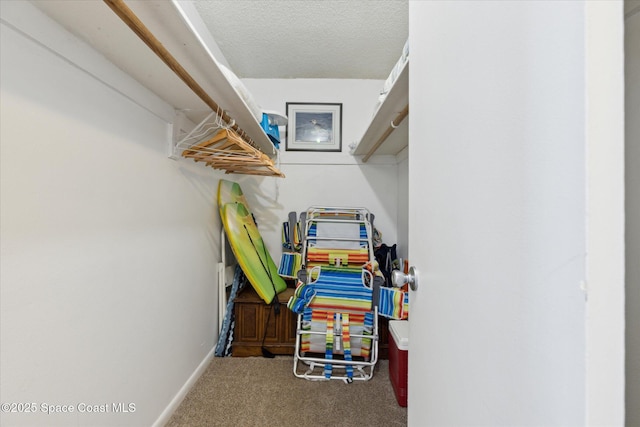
256, 391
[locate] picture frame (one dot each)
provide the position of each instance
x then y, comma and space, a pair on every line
314, 126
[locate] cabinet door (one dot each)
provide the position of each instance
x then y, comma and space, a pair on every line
270, 320
287, 325
248, 321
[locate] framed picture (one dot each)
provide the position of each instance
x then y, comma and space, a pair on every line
314, 127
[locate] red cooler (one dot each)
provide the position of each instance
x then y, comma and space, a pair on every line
398, 355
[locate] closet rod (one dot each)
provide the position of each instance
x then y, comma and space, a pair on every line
129, 18
394, 124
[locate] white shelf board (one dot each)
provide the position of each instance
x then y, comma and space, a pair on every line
190, 42
394, 103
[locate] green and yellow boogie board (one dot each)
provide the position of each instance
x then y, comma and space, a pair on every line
230, 192
246, 242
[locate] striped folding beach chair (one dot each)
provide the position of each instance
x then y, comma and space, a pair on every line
337, 327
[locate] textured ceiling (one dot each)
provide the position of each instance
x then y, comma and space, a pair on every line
341, 39
360, 39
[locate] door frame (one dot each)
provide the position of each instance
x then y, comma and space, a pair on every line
605, 284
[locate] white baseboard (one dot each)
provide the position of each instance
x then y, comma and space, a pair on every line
177, 399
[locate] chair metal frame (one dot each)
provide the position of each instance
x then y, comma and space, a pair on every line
311, 366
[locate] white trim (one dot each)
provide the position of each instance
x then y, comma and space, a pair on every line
166, 414
605, 315
402, 155
171, 137
332, 158
222, 292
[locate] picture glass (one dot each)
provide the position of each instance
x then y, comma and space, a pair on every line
314, 127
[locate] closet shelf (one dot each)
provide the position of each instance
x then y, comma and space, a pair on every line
252, 156
388, 131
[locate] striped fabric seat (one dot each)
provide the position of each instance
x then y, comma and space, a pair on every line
393, 303
316, 321
290, 264
338, 257
342, 290
334, 292
314, 232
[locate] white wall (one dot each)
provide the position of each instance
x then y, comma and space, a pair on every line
109, 249
497, 155
632, 170
329, 179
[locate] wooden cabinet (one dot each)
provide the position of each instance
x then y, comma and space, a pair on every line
251, 315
